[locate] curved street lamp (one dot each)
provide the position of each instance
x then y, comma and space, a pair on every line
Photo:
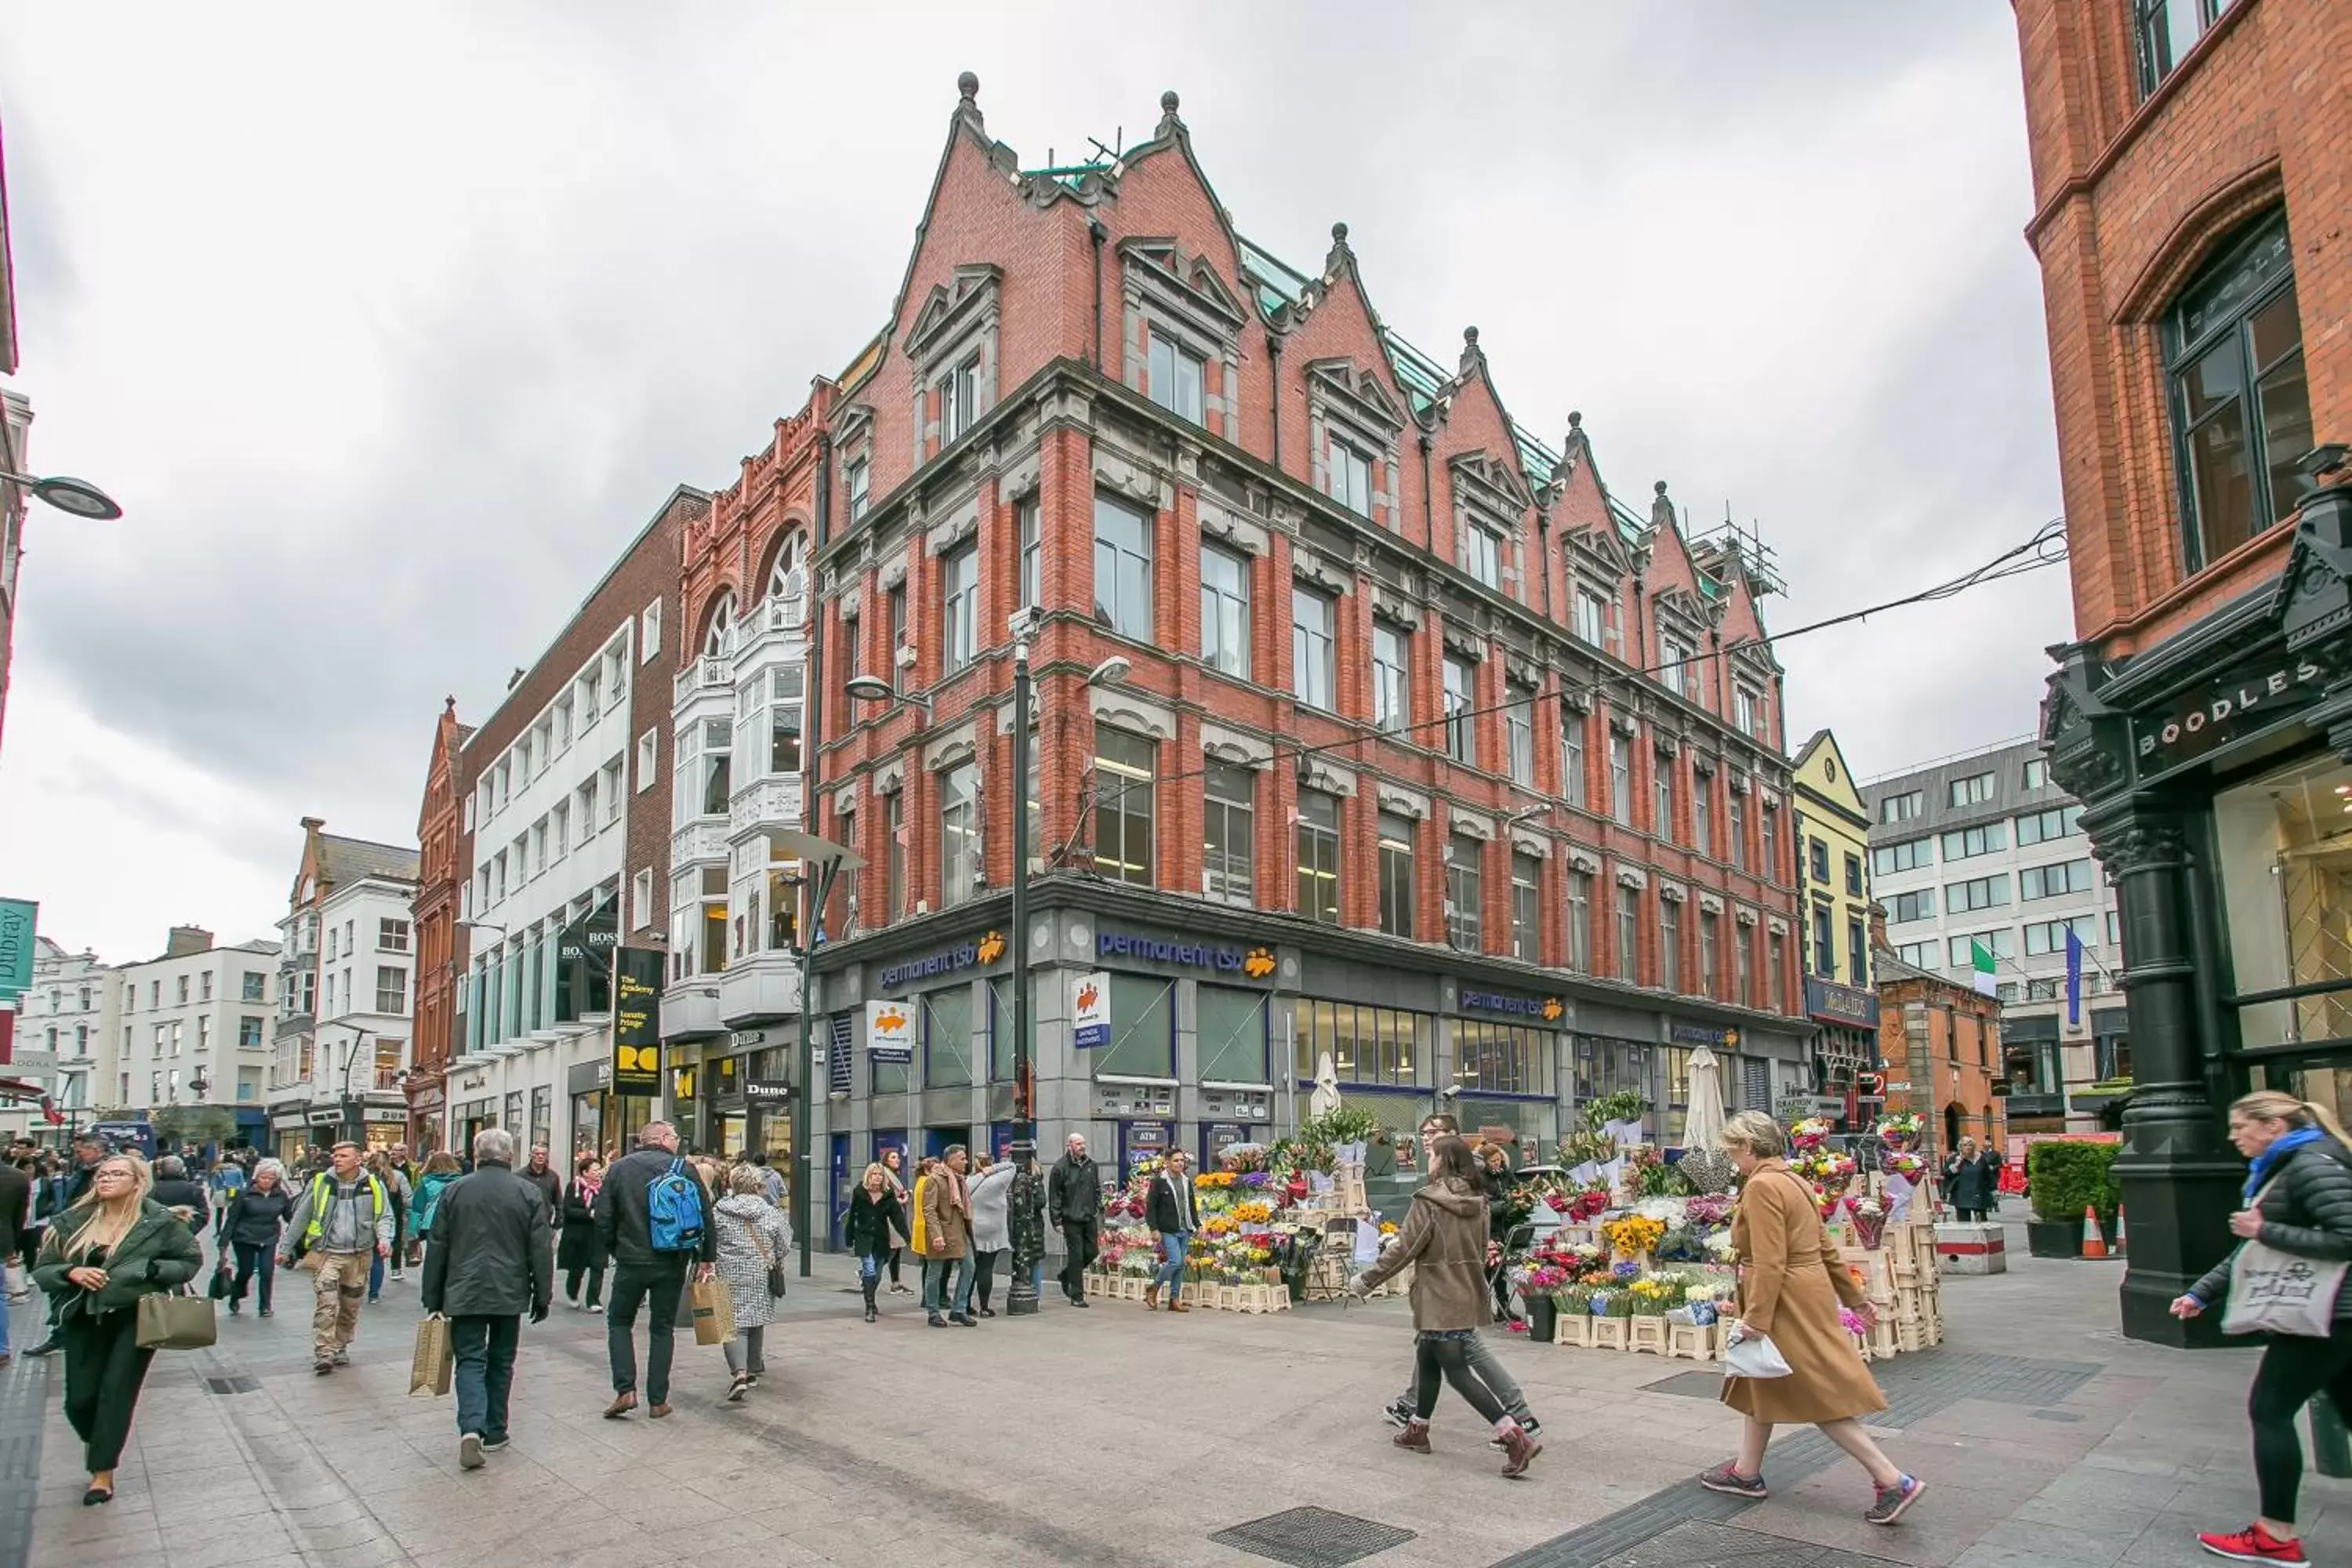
78, 496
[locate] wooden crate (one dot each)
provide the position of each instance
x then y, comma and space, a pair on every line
1689, 1342
1647, 1335
1573, 1329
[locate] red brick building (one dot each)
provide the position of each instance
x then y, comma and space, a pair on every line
441, 941
2193, 167
1430, 757
1940, 1042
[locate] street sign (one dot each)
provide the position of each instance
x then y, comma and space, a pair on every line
1090, 1010
18, 918
32, 1064
636, 1020
889, 1032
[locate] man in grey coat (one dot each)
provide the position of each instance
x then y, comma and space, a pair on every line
492, 1259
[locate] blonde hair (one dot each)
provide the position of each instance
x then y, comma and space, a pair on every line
1756, 1132
2275, 1105
747, 1179
108, 1223
874, 1168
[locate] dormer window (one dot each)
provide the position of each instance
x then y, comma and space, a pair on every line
954, 346
1177, 376
1351, 478
1590, 620
1483, 554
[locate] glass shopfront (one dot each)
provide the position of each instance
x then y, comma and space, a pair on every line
2285, 867
1383, 1058
1606, 1066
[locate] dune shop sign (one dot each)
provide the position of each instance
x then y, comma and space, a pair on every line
584, 963
636, 1020
2211, 716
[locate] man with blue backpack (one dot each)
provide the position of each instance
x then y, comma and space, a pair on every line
653, 1219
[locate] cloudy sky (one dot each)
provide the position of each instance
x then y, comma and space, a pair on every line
390, 325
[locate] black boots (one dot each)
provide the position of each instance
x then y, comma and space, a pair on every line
870, 1286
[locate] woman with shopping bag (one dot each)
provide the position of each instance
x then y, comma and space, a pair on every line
100, 1257
2285, 1280
754, 1240
1791, 1284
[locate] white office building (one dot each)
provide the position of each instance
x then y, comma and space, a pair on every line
1984, 850
193, 1029
68, 1015
346, 989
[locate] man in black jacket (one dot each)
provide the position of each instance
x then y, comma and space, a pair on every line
15, 1201
492, 1259
624, 1230
1073, 1200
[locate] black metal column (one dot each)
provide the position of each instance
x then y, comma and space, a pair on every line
2180, 1186
1028, 1232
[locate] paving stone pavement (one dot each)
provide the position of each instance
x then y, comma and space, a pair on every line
1114, 1437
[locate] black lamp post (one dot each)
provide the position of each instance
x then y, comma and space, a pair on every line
821, 861
1026, 1227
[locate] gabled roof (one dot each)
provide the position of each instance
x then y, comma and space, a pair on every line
344, 860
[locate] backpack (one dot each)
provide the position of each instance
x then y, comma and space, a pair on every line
674, 1210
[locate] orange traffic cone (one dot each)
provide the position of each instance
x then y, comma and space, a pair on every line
2094, 1244
2119, 1230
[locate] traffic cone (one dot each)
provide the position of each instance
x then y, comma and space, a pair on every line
2119, 1230
2094, 1244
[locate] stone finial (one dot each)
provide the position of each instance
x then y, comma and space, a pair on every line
1575, 419
1662, 511
1338, 254
1470, 354
968, 99
1169, 123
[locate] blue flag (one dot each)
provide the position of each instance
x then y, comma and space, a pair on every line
2073, 979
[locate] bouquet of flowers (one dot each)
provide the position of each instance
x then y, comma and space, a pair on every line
1900, 1129
1812, 1132
1709, 1209
1536, 1274
1869, 1219
1632, 1236
1244, 1157
1851, 1321
1212, 1180
1652, 1294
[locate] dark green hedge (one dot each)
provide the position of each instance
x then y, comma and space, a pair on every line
2067, 1176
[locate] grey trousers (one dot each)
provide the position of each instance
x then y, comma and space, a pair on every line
1488, 1369
743, 1352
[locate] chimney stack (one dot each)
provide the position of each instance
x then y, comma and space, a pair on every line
186, 939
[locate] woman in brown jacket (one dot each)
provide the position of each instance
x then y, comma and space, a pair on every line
1791, 1284
1444, 1238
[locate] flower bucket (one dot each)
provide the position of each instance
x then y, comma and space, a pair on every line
1542, 1316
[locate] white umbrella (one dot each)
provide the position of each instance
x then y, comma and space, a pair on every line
1704, 1123
1326, 1098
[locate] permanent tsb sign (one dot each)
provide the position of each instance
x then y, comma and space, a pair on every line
951, 960
1548, 1009
1224, 958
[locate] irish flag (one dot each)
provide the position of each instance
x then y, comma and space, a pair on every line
1980, 962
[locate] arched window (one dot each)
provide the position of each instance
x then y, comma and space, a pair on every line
718, 640
787, 584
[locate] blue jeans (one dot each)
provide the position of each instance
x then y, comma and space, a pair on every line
869, 1265
484, 1348
1173, 1247
945, 1279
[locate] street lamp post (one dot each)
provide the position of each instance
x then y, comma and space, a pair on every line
1028, 1235
825, 861
353, 1128
78, 497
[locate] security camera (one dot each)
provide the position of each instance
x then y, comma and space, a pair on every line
1023, 623
1451, 1091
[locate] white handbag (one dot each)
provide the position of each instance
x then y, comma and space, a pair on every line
2276, 1292
1754, 1355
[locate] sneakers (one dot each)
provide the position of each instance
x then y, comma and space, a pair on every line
343, 1356
1726, 1479
1893, 1500
1398, 1413
469, 1451
739, 1388
2255, 1544
323, 1367
492, 1444
898, 1289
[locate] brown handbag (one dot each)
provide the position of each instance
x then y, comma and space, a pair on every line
175, 1323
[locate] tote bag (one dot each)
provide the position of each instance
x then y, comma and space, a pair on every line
167, 1322
2277, 1292
1754, 1356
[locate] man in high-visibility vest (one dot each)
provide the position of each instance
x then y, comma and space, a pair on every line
342, 1225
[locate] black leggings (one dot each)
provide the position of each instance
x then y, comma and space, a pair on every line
893, 1261
2292, 1370
1450, 1358
983, 1278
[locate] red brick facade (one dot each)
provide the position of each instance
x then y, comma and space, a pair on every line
440, 944
1041, 279
2136, 188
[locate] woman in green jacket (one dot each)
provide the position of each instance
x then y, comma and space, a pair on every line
99, 1257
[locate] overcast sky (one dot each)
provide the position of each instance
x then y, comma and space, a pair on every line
390, 326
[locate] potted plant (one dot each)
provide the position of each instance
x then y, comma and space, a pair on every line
2067, 1176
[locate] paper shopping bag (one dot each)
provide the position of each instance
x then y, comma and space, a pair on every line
430, 1368
714, 1312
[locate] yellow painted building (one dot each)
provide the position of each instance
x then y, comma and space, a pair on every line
1833, 828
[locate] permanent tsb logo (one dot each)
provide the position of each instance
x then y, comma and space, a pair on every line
1255, 963
1549, 1008
963, 955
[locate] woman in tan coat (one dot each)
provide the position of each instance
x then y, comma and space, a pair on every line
1444, 1238
1791, 1283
